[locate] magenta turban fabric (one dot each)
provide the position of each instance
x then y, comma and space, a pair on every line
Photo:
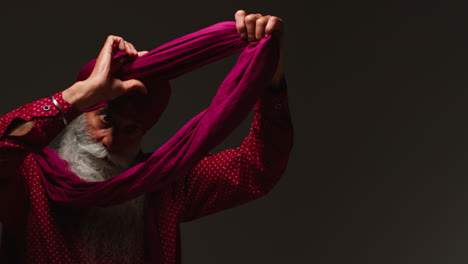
234, 99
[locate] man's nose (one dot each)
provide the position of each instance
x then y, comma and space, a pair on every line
107, 141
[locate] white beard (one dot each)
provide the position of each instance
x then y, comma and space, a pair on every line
114, 232
89, 160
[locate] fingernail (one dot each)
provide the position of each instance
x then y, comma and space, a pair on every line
242, 35
266, 35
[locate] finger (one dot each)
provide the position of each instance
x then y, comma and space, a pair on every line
103, 62
135, 52
134, 85
121, 44
131, 49
274, 23
250, 25
109, 46
260, 27
240, 23
128, 49
141, 53
112, 42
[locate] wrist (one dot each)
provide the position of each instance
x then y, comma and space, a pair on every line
277, 86
79, 95
276, 81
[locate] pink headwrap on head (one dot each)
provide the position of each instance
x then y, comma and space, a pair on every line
233, 101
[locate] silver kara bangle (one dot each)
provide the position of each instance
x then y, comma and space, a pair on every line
59, 109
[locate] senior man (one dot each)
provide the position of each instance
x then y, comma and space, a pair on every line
102, 142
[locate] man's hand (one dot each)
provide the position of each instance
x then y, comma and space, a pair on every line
101, 85
253, 27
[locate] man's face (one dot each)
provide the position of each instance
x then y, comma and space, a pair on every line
118, 129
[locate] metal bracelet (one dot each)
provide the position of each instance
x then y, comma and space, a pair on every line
59, 109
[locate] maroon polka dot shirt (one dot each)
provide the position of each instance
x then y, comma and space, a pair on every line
32, 231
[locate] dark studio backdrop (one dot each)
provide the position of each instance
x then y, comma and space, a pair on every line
378, 92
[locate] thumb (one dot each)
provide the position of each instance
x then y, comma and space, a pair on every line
134, 85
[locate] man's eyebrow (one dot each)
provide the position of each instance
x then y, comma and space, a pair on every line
104, 109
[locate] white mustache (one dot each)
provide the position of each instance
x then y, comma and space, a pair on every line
99, 151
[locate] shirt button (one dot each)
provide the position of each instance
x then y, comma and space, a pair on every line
46, 108
278, 106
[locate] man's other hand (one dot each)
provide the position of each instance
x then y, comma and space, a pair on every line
253, 27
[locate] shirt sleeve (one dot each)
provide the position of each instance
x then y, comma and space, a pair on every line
48, 123
236, 176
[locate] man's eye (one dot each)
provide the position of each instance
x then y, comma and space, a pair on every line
106, 118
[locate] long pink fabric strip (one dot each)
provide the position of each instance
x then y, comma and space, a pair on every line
233, 101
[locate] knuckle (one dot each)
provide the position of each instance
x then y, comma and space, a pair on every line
110, 38
116, 38
250, 18
262, 21
277, 20
240, 12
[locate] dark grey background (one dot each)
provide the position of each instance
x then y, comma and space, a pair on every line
377, 93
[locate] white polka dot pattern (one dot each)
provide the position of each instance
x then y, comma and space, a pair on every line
236, 176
